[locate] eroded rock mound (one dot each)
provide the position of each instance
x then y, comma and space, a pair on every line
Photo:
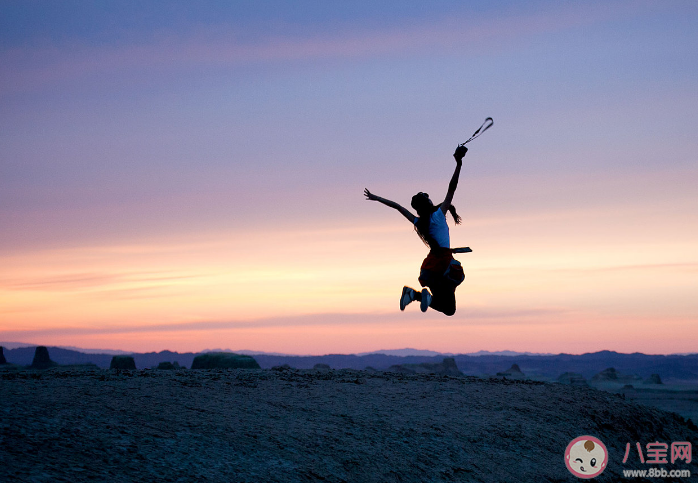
122, 362
321, 367
2, 357
224, 360
653, 379
168, 366
514, 372
447, 367
607, 375
611, 375
42, 359
572, 378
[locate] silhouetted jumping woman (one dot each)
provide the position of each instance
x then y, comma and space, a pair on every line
440, 272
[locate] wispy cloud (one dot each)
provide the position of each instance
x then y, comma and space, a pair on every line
469, 316
79, 281
646, 268
30, 67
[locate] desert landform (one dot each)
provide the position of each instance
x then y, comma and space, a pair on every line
411, 424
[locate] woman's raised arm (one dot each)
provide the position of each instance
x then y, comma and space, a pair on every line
453, 184
405, 212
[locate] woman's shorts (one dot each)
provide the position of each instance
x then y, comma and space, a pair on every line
441, 267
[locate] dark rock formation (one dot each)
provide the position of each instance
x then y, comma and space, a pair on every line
445, 368
611, 375
513, 372
653, 379
572, 378
321, 367
224, 360
42, 359
168, 366
283, 367
122, 362
448, 367
2, 357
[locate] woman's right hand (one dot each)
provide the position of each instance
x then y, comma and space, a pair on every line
370, 196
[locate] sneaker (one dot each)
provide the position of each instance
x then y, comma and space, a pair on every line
407, 296
426, 300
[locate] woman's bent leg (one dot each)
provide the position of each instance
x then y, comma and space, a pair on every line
443, 297
408, 295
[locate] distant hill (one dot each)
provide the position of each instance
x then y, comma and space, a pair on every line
405, 352
420, 352
672, 367
245, 352
550, 367
24, 355
95, 351
506, 353
15, 345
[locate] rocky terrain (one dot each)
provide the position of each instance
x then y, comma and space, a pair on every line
672, 368
68, 424
447, 367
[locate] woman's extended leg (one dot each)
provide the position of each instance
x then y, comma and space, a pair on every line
443, 297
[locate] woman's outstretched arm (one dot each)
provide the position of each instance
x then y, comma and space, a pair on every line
453, 184
405, 212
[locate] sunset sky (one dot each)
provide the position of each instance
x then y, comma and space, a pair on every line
189, 175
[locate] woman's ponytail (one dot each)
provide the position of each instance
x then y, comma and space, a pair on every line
456, 216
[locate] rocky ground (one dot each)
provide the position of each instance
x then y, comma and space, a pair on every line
295, 426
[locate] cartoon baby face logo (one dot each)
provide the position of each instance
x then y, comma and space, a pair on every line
586, 457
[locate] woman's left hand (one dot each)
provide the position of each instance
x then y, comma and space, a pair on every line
369, 196
460, 153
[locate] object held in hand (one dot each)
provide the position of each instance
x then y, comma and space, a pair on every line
460, 152
485, 126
